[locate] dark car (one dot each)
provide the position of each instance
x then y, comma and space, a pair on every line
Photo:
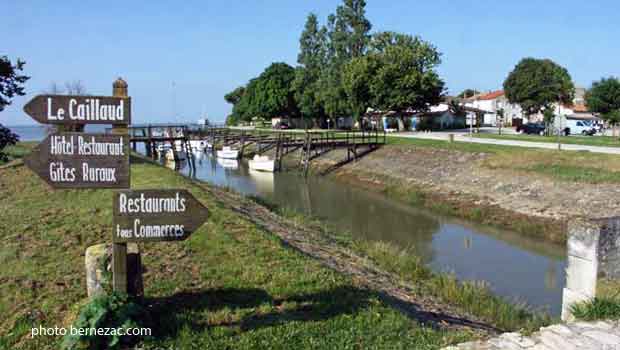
281, 126
532, 128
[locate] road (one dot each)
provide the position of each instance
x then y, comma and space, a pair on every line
460, 137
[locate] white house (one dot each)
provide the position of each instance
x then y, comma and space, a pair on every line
492, 102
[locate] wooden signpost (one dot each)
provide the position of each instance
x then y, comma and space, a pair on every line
156, 215
82, 160
79, 160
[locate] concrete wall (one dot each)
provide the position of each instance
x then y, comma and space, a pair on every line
593, 250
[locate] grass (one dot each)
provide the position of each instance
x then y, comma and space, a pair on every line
18, 151
470, 297
606, 141
231, 285
606, 305
563, 166
600, 308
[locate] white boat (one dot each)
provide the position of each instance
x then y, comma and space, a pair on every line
228, 153
228, 163
198, 145
262, 163
181, 155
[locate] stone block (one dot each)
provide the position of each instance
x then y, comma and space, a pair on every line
98, 262
581, 275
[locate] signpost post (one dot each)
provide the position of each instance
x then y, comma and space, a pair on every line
82, 160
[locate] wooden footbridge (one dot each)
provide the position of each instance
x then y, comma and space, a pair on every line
309, 144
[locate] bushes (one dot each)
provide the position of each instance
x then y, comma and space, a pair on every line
112, 311
7, 138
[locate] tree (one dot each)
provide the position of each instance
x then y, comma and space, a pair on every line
467, 93
7, 138
548, 118
11, 81
406, 77
604, 98
235, 96
348, 37
536, 84
500, 116
312, 59
358, 75
75, 88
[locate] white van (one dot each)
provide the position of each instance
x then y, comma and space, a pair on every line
579, 127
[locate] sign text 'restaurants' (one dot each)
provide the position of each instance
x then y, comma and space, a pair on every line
156, 215
63, 109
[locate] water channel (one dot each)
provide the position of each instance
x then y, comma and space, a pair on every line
518, 268
521, 269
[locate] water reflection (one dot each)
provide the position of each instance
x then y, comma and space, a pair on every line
516, 267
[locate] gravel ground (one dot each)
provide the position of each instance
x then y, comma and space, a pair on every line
456, 173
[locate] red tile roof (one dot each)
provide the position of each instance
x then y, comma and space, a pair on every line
491, 95
579, 108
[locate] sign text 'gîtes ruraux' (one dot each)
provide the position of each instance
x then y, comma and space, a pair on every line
80, 160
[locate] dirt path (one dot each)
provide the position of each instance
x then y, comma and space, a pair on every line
315, 244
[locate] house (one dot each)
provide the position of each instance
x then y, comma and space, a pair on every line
493, 102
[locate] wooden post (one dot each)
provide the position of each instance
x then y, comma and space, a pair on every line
119, 250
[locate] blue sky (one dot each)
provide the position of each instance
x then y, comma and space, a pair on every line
207, 48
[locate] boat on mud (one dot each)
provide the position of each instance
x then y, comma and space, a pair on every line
228, 153
262, 163
198, 145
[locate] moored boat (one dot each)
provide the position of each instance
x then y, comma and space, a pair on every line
228, 153
262, 163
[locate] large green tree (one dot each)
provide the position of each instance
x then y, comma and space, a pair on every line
357, 78
406, 77
267, 96
11, 80
536, 84
311, 59
396, 75
604, 98
348, 34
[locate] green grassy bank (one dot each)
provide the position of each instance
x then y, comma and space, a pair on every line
231, 285
605, 141
569, 166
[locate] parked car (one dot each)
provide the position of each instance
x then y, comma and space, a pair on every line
579, 127
281, 126
532, 128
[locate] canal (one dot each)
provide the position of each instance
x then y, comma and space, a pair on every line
521, 269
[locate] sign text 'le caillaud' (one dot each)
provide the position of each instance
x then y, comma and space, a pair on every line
65, 109
81, 160
156, 215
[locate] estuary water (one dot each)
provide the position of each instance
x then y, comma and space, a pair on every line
521, 269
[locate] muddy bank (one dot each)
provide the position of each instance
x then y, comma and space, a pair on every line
459, 183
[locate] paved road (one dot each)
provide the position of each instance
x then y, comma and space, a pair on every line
581, 335
546, 145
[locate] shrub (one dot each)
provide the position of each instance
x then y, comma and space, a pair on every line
7, 138
112, 311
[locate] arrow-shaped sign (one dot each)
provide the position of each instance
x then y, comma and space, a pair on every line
65, 109
78, 160
156, 215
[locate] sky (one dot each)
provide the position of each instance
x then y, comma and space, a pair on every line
181, 57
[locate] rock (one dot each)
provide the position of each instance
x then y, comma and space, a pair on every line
98, 262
